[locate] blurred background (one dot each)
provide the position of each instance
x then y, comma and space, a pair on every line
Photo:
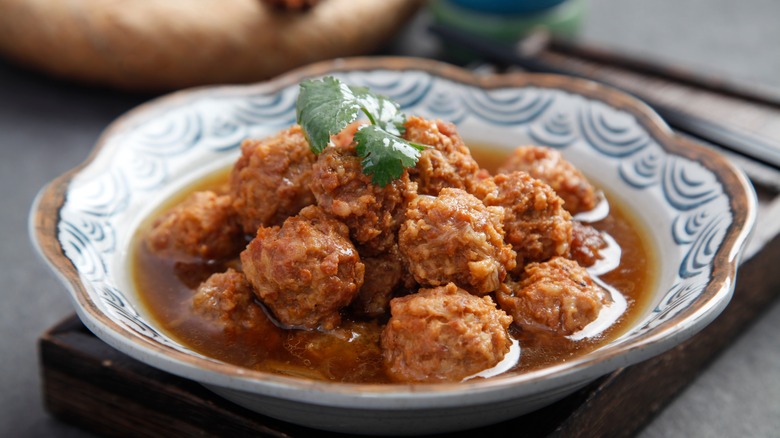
50, 117
735, 40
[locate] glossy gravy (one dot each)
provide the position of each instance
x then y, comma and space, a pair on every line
351, 352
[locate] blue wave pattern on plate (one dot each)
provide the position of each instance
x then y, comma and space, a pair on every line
144, 159
213, 123
507, 106
611, 132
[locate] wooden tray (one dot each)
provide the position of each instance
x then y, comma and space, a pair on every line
91, 385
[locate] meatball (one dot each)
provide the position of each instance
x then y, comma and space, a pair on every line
455, 238
557, 296
226, 298
305, 271
534, 220
447, 163
443, 334
384, 275
203, 226
586, 244
270, 180
372, 213
549, 166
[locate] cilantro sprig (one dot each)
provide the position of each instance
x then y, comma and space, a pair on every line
326, 106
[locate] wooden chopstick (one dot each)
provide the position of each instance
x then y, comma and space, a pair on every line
745, 143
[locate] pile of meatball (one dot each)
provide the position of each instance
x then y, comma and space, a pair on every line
447, 257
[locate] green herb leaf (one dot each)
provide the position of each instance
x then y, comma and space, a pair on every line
385, 156
325, 107
380, 110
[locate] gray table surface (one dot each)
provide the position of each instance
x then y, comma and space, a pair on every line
48, 126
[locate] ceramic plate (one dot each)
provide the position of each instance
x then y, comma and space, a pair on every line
698, 207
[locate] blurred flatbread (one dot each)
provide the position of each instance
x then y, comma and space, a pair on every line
157, 45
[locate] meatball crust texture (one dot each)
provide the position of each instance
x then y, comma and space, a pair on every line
586, 244
305, 271
372, 213
455, 238
226, 298
203, 226
557, 296
536, 224
548, 165
443, 334
270, 180
447, 163
384, 275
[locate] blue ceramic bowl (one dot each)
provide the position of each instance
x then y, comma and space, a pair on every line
508, 6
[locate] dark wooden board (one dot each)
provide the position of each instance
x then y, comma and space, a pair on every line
91, 385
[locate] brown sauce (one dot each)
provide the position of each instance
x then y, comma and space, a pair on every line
351, 352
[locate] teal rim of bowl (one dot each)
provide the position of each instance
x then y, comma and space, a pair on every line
507, 6
563, 21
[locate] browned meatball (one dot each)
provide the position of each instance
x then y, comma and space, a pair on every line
443, 334
372, 213
548, 165
586, 244
557, 296
203, 226
534, 220
226, 298
305, 271
455, 238
270, 180
385, 274
448, 163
